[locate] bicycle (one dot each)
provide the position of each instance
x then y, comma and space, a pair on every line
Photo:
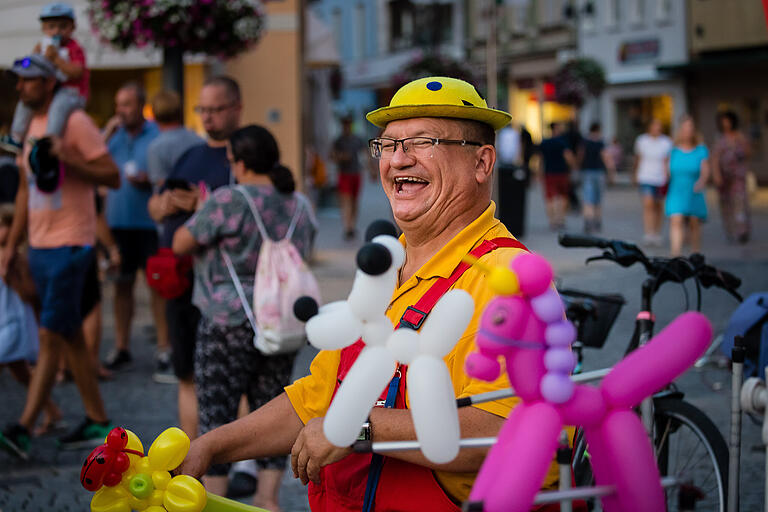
686, 441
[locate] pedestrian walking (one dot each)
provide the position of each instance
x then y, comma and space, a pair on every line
201, 170
595, 162
650, 173
227, 364
557, 161
133, 229
729, 172
346, 153
689, 172
62, 231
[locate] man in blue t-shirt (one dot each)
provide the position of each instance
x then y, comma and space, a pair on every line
557, 160
198, 172
129, 136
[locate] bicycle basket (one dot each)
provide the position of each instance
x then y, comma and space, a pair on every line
594, 328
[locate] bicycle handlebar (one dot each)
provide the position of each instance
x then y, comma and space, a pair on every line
678, 269
568, 240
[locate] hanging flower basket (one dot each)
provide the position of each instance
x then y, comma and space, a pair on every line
578, 79
431, 64
215, 27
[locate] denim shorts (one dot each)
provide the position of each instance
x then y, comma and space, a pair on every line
593, 183
657, 192
59, 276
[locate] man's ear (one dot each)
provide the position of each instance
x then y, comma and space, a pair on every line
486, 159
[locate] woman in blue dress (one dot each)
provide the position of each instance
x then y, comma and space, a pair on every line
688, 176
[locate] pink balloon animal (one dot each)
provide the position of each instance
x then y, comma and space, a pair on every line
530, 332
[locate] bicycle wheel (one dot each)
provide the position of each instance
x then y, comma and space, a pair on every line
690, 446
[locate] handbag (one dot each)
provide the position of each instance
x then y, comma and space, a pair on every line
168, 273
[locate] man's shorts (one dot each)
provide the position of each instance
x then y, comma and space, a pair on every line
658, 192
60, 276
135, 245
556, 185
182, 318
349, 184
91, 289
593, 183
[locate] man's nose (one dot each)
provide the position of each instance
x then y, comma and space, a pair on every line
400, 158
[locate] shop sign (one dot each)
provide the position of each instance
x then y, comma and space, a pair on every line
639, 51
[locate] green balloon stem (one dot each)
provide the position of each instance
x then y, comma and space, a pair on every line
217, 503
141, 486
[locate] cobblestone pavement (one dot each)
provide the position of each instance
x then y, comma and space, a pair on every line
49, 480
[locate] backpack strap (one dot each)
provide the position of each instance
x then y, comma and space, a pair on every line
254, 211
301, 204
240, 291
415, 315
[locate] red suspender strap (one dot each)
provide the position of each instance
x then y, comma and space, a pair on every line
415, 315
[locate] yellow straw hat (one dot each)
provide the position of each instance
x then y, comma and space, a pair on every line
438, 96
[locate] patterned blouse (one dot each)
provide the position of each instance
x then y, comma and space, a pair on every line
225, 222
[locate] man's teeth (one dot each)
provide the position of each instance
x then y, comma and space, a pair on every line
408, 179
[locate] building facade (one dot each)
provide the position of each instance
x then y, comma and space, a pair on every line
634, 40
533, 39
377, 39
728, 70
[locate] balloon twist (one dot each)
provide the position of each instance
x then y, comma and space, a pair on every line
527, 328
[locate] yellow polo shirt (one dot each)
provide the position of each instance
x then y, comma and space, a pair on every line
311, 395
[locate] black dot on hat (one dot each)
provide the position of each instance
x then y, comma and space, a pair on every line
434, 86
467, 104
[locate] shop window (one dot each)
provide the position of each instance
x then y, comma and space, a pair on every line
359, 45
611, 14
663, 11
636, 12
415, 24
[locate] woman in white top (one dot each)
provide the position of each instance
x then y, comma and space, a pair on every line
651, 158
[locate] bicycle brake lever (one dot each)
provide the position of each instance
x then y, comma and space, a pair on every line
605, 256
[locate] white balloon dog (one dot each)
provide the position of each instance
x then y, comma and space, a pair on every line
339, 324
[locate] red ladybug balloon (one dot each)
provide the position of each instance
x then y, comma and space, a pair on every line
107, 463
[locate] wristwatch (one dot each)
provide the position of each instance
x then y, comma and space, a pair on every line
365, 431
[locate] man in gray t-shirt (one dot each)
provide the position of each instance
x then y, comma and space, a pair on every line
174, 140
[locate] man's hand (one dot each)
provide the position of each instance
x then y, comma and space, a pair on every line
198, 459
185, 200
312, 451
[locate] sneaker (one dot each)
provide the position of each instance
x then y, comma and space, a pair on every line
11, 145
89, 434
164, 373
118, 360
45, 167
15, 440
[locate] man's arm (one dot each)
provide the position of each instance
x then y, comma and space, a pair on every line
100, 170
269, 431
312, 450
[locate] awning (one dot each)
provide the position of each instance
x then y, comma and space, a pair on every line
718, 60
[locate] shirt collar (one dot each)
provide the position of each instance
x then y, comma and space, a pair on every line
443, 263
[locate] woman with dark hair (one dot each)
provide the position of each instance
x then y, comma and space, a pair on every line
227, 365
729, 160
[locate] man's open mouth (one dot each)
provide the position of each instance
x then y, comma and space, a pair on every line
409, 184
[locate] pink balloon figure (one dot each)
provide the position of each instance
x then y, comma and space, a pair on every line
529, 331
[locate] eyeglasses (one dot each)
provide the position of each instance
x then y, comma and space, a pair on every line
382, 148
24, 63
212, 110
